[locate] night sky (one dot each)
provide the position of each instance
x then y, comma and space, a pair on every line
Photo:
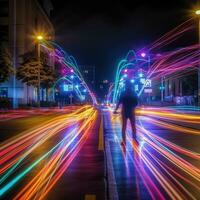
100, 33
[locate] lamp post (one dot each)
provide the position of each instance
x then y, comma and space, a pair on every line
162, 89
39, 39
197, 12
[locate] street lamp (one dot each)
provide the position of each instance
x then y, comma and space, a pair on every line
162, 88
39, 39
143, 54
197, 12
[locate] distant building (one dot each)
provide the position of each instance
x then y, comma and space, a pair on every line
20, 20
89, 75
102, 89
182, 90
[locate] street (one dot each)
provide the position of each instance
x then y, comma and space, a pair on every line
99, 100
34, 160
165, 165
79, 149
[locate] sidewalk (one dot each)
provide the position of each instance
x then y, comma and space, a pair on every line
159, 168
123, 180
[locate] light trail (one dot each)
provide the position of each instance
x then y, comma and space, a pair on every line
172, 35
169, 114
156, 66
174, 168
68, 62
16, 151
15, 114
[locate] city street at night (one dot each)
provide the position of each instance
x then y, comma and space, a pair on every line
80, 151
99, 100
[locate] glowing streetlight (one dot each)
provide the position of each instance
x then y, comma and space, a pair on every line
40, 37
140, 75
143, 54
197, 12
72, 76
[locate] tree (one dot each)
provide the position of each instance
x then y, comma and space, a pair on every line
28, 71
6, 65
48, 82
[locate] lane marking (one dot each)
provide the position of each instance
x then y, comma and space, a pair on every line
101, 138
90, 197
112, 185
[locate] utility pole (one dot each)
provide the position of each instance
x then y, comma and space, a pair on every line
39, 39
70, 97
162, 89
199, 66
38, 55
15, 102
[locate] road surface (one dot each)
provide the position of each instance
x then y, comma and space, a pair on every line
165, 165
75, 153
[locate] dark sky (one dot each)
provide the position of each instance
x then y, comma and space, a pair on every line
100, 33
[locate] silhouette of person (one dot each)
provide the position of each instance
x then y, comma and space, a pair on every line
129, 101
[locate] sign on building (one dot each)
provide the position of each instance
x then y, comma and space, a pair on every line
142, 80
67, 87
149, 90
148, 83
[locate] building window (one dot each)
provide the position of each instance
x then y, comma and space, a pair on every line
3, 33
4, 92
4, 8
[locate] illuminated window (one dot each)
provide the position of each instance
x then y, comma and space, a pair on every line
4, 92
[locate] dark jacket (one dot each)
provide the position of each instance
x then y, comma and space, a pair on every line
129, 101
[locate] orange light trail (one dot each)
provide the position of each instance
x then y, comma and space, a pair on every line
169, 163
169, 114
18, 149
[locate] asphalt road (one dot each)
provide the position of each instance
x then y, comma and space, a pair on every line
75, 153
40, 155
14, 122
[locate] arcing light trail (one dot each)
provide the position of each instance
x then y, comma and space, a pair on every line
157, 65
70, 63
175, 61
171, 36
16, 151
170, 170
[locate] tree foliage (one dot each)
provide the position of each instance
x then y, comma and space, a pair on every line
6, 65
30, 69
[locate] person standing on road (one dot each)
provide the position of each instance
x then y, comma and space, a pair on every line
129, 101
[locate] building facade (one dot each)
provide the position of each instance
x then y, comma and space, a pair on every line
20, 22
182, 90
89, 74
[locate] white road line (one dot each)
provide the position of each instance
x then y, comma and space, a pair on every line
112, 186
